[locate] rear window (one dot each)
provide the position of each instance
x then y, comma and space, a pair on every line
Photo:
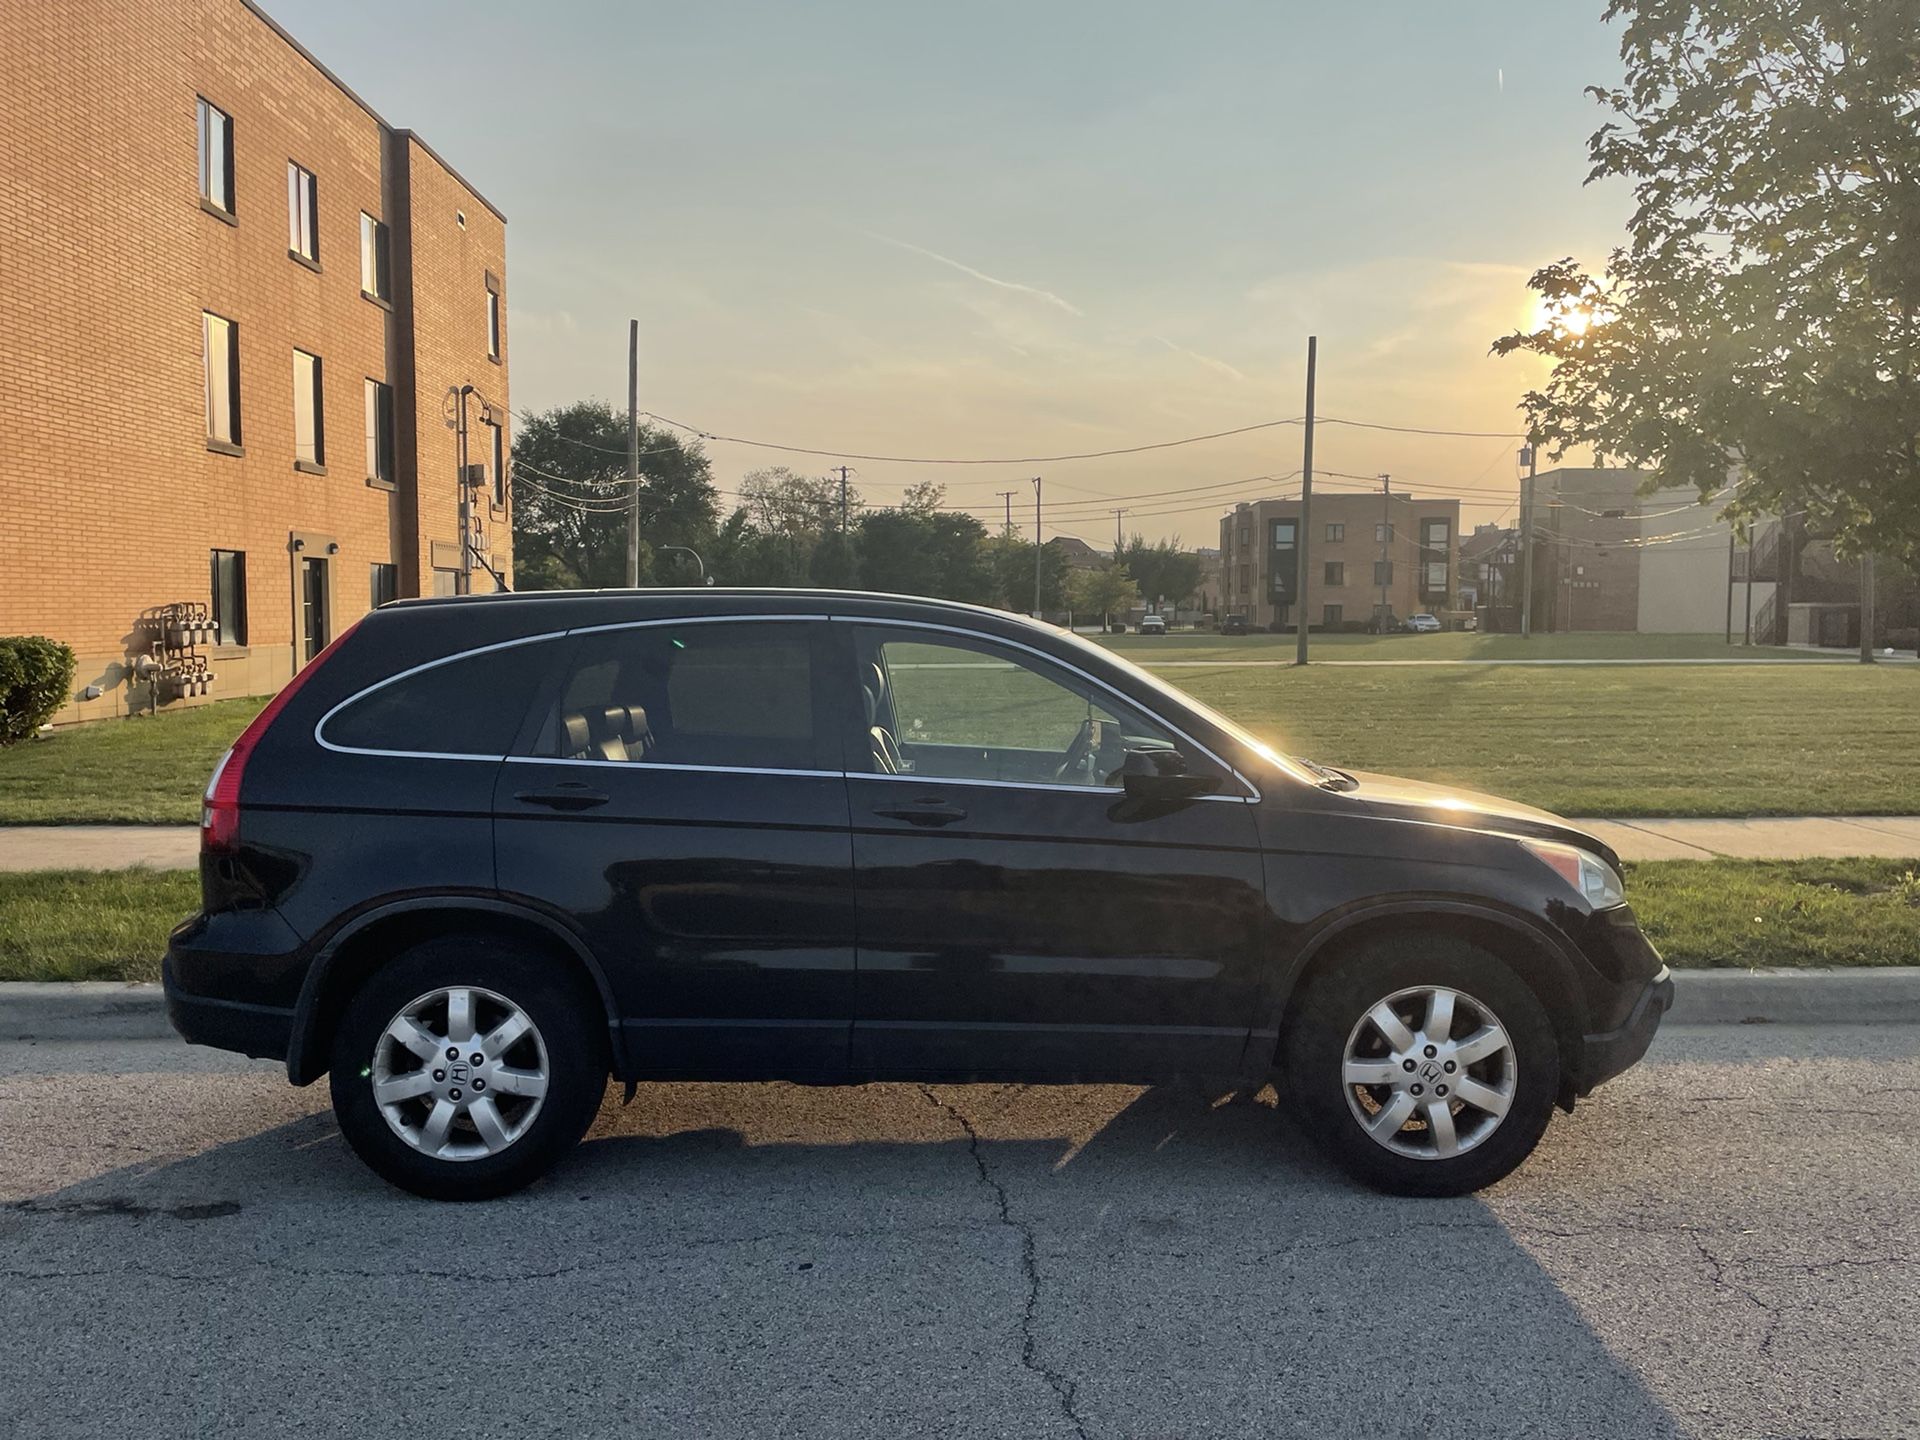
471, 705
733, 694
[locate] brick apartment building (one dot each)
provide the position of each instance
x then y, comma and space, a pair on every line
242, 322
1360, 543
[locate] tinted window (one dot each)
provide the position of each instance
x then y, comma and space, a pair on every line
736, 695
229, 576
470, 706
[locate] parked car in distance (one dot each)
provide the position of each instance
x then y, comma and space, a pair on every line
1234, 625
485, 851
1425, 624
1153, 625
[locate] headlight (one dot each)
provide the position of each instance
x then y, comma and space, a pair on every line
1596, 881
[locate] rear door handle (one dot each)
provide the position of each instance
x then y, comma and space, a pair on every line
568, 795
923, 812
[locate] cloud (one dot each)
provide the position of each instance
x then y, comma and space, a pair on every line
1219, 367
1044, 296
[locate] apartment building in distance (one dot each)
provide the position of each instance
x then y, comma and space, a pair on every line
1369, 554
250, 334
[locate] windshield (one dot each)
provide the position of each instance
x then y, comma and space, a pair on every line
1287, 764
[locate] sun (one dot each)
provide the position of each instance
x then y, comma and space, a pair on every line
1571, 317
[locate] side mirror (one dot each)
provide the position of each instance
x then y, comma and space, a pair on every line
1163, 775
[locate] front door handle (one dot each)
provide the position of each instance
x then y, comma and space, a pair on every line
568, 795
927, 812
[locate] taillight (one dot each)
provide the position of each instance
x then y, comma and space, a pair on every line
220, 810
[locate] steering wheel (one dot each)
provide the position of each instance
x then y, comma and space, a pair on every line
1078, 753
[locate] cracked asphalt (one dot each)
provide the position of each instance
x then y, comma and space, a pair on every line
1723, 1242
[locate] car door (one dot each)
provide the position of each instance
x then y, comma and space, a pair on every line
680, 800
1019, 914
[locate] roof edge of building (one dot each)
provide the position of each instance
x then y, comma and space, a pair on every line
347, 90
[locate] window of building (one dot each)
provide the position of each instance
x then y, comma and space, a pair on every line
1330, 615
1433, 534
1336, 532
229, 590
309, 412
493, 318
221, 346
471, 705
383, 583
1336, 572
1434, 581
303, 213
376, 262
1382, 533
1383, 572
380, 467
733, 695
497, 463
445, 582
216, 156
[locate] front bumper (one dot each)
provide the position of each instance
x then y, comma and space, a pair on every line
262, 1031
1606, 1055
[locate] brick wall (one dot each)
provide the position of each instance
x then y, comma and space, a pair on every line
112, 496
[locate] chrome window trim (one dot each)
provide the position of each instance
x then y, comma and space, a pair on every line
985, 637
1253, 791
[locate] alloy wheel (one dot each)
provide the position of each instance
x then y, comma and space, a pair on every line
1429, 1072
460, 1073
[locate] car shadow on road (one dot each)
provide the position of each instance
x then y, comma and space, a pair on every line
883, 1260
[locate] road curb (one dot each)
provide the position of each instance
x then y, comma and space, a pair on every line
101, 1010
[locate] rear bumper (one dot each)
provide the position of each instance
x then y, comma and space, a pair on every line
262, 1031
1606, 1055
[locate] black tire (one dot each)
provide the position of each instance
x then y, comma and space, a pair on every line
572, 1027
1325, 1013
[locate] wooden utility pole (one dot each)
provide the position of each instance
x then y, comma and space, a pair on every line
633, 454
1007, 495
1386, 547
1306, 514
1118, 543
1866, 608
1038, 549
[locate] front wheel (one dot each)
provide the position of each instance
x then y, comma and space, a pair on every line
465, 1068
1425, 1066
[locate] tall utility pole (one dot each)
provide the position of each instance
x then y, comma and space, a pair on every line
843, 500
1526, 539
1118, 543
1007, 495
1386, 543
1306, 514
633, 454
1038, 549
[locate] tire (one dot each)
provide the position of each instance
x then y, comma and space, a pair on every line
520, 1135
1330, 1025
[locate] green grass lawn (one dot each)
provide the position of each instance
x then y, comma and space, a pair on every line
143, 770
75, 925
1734, 913
1454, 645
83, 925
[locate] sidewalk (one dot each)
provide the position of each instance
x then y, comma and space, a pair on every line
1806, 837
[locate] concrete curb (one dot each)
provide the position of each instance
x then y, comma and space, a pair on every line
99, 1010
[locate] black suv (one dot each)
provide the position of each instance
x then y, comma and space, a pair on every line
484, 852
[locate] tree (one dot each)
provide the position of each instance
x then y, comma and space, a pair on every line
925, 552
1163, 571
1010, 563
779, 502
569, 497
1759, 326
1102, 591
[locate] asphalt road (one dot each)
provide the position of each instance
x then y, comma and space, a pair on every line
1724, 1242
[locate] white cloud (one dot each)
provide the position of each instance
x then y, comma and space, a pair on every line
1044, 296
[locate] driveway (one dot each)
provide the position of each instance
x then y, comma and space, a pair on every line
1721, 1243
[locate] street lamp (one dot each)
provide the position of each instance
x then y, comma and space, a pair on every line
689, 550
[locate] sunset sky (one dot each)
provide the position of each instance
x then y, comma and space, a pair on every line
990, 230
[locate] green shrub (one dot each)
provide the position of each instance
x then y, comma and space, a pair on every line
35, 675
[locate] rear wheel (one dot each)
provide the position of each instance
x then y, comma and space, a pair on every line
466, 1067
1425, 1066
